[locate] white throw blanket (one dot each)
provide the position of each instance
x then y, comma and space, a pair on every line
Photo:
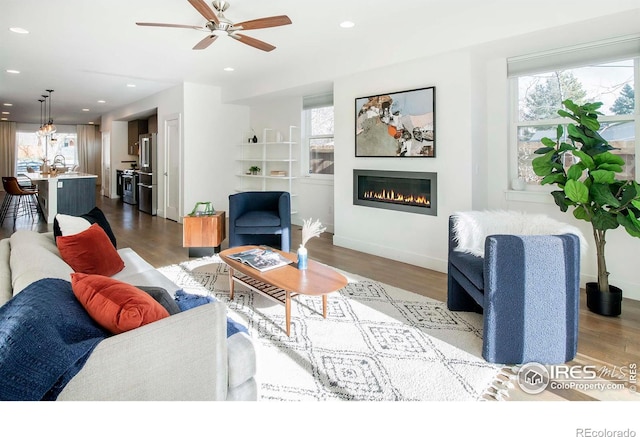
471, 228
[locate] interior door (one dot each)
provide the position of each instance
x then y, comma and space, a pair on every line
105, 187
172, 168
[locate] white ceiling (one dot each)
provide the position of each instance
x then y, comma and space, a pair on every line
88, 50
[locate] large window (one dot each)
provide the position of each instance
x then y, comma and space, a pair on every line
318, 129
537, 96
33, 150
320, 139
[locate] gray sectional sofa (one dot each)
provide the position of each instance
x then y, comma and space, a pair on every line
186, 356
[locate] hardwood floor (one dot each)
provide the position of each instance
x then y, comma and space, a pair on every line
604, 341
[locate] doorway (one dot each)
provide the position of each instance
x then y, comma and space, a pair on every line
172, 167
105, 187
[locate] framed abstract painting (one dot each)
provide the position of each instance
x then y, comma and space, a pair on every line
399, 124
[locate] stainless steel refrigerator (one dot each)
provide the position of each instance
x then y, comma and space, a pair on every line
147, 175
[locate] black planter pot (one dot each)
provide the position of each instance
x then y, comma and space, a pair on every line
605, 304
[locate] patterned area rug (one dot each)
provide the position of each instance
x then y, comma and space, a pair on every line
378, 342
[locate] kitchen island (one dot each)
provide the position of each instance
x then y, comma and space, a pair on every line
65, 193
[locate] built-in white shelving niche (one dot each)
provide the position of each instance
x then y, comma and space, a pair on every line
278, 158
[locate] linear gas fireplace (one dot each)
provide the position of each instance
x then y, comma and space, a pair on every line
396, 190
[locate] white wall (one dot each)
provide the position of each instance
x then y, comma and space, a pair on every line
211, 133
316, 202
413, 238
119, 135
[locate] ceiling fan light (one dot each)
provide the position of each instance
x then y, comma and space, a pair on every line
219, 25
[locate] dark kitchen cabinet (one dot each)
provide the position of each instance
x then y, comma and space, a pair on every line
136, 128
76, 196
152, 124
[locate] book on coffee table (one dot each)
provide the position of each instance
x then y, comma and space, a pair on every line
261, 259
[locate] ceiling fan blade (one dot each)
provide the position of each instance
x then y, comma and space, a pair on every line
252, 42
185, 26
262, 23
205, 42
204, 10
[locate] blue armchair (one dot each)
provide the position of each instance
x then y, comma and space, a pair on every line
260, 217
527, 287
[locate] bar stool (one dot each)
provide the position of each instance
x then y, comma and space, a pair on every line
18, 201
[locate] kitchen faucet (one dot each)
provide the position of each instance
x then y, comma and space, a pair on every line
59, 159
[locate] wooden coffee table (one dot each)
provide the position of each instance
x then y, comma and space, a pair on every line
283, 283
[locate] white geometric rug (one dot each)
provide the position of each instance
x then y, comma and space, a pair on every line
378, 342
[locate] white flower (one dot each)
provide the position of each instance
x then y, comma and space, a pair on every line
310, 230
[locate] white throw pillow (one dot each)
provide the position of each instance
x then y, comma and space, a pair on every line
70, 225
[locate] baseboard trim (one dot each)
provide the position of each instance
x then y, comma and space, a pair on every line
393, 253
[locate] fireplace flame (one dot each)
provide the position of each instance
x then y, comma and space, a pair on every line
392, 196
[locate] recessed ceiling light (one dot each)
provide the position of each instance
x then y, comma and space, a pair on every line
85, 109
13, 71
131, 85
91, 122
5, 113
229, 69
4, 119
7, 104
347, 24
102, 101
18, 30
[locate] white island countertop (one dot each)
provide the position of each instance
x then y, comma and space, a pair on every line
66, 175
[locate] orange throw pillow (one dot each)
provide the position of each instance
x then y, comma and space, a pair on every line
91, 252
115, 305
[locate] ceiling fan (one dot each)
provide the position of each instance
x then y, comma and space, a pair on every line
218, 24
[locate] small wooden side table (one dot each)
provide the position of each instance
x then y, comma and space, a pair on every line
203, 234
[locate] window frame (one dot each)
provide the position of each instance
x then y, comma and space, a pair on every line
515, 123
307, 137
25, 130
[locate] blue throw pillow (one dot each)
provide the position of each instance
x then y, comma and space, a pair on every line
187, 301
234, 327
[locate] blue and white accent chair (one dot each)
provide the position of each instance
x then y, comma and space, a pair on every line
525, 280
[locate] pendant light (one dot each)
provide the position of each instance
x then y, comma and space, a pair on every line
43, 126
51, 128
40, 131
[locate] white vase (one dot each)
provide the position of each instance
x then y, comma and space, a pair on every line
302, 258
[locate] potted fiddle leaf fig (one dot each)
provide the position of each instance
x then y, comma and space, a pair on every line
590, 187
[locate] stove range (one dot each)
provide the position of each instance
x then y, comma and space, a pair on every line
130, 186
